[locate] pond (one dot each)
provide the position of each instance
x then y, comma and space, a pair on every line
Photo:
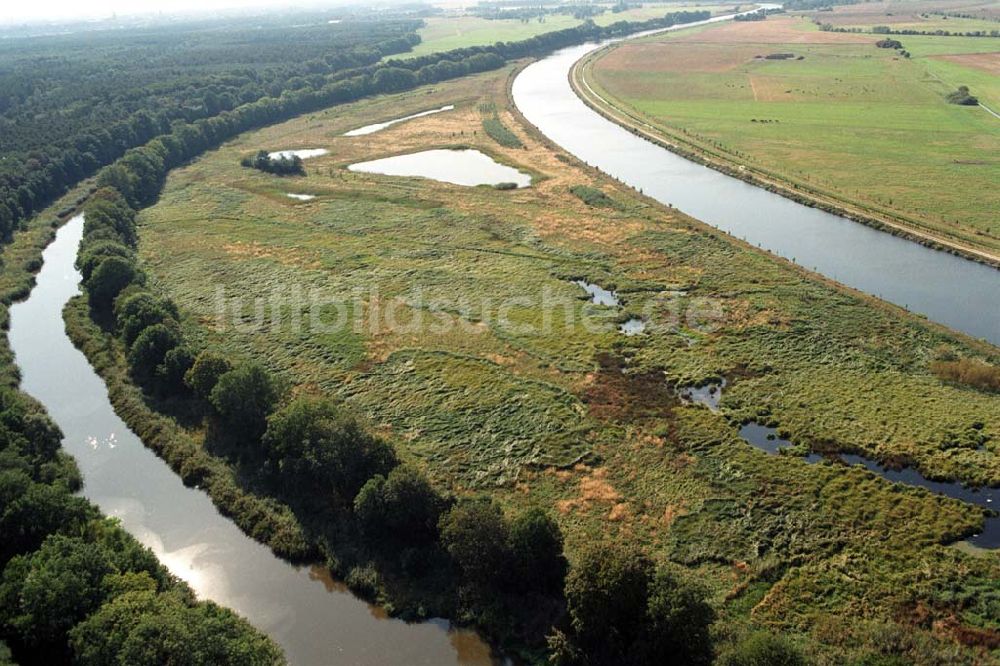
708, 394
599, 295
633, 326
315, 619
459, 167
302, 154
766, 438
371, 129
301, 197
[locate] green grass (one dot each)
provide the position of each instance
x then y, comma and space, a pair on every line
852, 120
445, 34
581, 420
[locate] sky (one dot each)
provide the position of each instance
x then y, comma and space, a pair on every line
15, 11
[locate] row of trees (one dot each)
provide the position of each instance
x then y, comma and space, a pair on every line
75, 587
63, 122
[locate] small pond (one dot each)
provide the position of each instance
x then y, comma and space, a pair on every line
459, 167
708, 394
371, 129
767, 439
302, 154
301, 197
598, 295
633, 326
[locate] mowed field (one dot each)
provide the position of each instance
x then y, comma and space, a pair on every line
495, 373
922, 15
841, 116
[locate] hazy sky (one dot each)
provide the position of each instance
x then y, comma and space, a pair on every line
21, 10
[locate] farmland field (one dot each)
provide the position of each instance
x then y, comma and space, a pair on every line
840, 117
448, 317
447, 33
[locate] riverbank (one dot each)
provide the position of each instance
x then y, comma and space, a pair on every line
685, 145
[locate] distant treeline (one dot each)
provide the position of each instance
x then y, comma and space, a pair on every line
70, 107
30, 185
886, 30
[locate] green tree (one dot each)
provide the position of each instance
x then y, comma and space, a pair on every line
678, 620
42, 595
537, 549
477, 537
315, 446
150, 349
107, 280
204, 374
243, 398
403, 506
139, 310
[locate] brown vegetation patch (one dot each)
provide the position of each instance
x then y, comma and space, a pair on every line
672, 57
986, 62
616, 395
772, 31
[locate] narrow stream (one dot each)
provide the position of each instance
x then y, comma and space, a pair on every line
315, 619
947, 289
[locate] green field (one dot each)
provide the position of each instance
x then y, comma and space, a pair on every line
532, 405
445, 34
858, 123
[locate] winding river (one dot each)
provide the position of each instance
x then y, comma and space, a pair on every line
956, 292
315, 619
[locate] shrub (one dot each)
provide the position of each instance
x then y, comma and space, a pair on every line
968, 371
763, 649
963, 97
594, 197
283, 166
500, 133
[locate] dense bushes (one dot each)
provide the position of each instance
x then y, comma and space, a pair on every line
624, 610
500, 133
282, 165
962, 96
594, 197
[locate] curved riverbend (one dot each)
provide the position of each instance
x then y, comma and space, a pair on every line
950, 290
316, 620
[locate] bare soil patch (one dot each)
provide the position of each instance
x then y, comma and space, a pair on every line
986, 62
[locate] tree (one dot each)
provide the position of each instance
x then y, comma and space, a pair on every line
537, 549
403, 506
175, 366
606, 597
205, 372
623, 611
150, 349
45, 593
763, 649
477, 538
313, 445
96, 252
110, 276
137, 311
243, 398
678, 622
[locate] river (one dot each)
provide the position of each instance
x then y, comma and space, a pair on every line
950, 290
315, 619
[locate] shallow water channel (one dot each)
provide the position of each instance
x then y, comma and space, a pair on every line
315, 619
766, 438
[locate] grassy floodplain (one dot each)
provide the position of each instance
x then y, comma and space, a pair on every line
841, 118
581, 421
